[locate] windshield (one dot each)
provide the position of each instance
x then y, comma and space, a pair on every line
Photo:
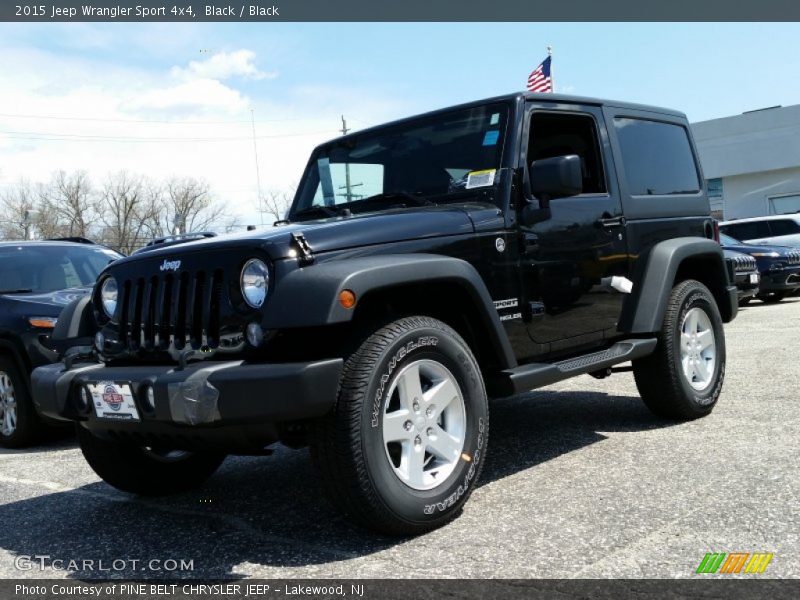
41, 268
430, 159
727, 240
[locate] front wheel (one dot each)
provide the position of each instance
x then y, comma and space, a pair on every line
772, 297
406, 442
19, 424
147, 471
683, 378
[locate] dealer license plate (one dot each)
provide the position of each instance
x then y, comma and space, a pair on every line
753, 277
113, 400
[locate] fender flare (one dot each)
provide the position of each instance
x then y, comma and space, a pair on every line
654, 277
76, 320
308, 296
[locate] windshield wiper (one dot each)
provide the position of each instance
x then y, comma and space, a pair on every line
416, 199
18, 291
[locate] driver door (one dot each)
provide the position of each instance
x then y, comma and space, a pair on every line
568, 260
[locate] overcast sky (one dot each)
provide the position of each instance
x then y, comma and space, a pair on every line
175, 99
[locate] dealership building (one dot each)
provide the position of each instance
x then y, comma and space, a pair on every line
752, 162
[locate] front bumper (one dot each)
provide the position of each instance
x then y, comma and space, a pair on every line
747, 288
783, 280
197, 401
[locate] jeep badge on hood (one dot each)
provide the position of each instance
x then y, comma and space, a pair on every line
170, 265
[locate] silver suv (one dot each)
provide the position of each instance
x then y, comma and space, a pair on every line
776, 230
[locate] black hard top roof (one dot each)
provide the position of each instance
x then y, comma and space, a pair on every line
518, 96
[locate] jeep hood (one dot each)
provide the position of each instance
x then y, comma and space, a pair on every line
339, 233
45, 304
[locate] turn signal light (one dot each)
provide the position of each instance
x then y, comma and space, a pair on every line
347, 299
42, 322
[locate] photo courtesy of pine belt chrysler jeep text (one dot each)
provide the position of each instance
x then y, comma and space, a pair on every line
425, 266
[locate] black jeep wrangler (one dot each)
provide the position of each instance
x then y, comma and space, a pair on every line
424, 267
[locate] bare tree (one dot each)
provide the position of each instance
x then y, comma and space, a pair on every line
66, 205
125, 208
185, 204
19, 213
276, 202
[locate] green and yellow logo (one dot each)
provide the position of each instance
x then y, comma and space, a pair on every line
734, 562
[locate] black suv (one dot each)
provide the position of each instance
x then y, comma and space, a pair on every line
37, 279
424, 266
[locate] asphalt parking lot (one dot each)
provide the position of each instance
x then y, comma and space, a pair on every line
580, 481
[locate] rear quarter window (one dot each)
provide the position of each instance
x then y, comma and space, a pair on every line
784, 227
657, 157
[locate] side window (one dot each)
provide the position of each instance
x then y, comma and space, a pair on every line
748, 231
561, 134
784, 227
657, 157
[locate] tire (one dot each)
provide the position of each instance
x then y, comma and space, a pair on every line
146, 472
384, 460
661, 378
20, 425
772, 298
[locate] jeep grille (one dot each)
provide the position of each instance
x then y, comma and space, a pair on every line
744, 263
180, 309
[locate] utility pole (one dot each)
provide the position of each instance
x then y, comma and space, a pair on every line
29, 223
348, 193
258, 175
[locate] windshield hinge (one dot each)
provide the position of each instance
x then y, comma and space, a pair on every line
304, 254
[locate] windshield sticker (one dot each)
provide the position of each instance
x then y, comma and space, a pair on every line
495, 119
483, 178
490, 139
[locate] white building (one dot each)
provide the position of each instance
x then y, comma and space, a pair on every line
752, 162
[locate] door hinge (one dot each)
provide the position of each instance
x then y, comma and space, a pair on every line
304, 254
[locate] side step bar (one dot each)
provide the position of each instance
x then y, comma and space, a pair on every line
535, 375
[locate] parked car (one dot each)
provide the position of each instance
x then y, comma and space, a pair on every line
425, 266
774, 230
745, 273
37, 279
779, 267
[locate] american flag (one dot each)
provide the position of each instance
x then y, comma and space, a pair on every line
539, 80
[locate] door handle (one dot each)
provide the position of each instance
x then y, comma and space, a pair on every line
611, 222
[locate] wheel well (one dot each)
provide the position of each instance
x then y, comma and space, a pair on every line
709, 270
446, 301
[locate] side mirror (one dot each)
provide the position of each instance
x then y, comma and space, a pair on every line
557, 177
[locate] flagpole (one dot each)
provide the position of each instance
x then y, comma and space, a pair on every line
552, 78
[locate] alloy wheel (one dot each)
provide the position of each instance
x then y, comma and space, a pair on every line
424, 424
698, 349
8, 405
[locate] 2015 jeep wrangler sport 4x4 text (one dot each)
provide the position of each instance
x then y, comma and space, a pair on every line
424, 266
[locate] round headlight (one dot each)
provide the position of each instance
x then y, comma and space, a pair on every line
255, 280
108, 296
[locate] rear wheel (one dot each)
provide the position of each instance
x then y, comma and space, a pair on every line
19, 424
147, 471
406, 442
683, 378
